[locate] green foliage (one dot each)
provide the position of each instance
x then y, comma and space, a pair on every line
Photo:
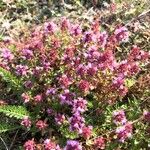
18, 112
129, 82
12, 81
66, 132
4, 127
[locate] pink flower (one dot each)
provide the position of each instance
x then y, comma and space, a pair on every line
26, 122
118, 82
38, 98
50, 27
79, 105
76, 30
25, 97
100, 143
122, 90
41, 124
113, 7
65, 24
119, 117
91, 69
64, 81
121, 34
133, 68
30, 145
124, 132
123, 67
49, 145
102, 39
135, 52
84, 86
87, 132
56, 43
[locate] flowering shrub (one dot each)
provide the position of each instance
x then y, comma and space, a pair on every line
72, 88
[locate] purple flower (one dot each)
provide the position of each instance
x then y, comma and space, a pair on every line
146, 115
22, 70
59, 119
92, 53
73, 145
28, 84
76, 122
46, 66
51, 91
79, 105
50, 111
88, 37
81, 70
119, 117
67, 97
37, 70
27, 54
6, 54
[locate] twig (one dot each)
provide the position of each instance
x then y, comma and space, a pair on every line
13, 140
138, 17
4, 143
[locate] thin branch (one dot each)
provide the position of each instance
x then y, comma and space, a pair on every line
138, 17
4, 143
13, 140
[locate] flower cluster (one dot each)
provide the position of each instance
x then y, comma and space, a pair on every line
63, 69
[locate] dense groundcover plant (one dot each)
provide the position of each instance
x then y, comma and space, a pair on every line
70, 90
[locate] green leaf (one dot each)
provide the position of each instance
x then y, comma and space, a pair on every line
90, 104
129, 82
67, 133
9, 78
4, 127
18, 112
